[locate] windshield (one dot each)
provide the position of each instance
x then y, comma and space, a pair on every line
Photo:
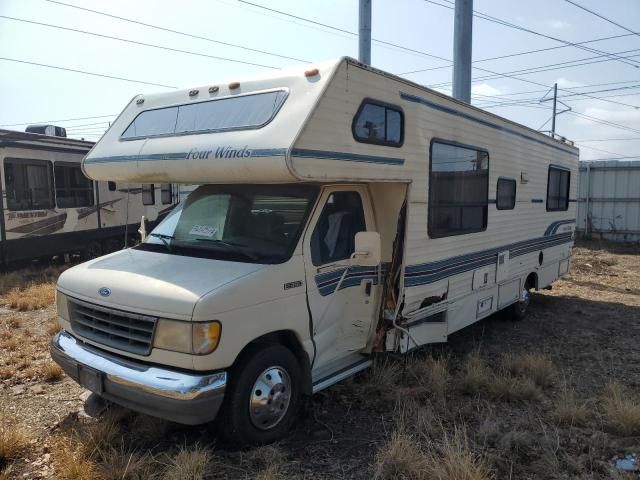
249, 223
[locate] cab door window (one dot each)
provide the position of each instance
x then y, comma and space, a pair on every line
334, 236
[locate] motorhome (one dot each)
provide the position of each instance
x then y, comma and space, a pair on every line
49, 207
342, 211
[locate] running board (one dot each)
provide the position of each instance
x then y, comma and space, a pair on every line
345, 368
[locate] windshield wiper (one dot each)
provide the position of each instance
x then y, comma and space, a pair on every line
165, 238
232, 246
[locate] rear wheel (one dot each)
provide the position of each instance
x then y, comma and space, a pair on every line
520, 309
263, 397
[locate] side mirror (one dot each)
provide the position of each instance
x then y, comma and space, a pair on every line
368, 249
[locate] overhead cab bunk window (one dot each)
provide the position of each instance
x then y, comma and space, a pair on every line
506, 194
29, 184
458, 189
148, 194
379, 123
558, 189
166, 193
230, 113
73, 189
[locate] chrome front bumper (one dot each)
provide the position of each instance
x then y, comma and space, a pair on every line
184, 397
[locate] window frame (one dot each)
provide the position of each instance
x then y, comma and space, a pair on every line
212, 130
560, 169
164, 189
468, 147
34, 162
387, 106
153, 193
55, 185
316, 255
515, 192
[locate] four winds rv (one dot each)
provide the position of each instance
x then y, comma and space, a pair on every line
341, 211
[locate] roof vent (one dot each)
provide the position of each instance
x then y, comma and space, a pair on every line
51, 130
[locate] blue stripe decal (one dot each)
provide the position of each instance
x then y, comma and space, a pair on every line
553, 228
327, 282
486, 123
537, 200
347, 157
426, 273
154, 157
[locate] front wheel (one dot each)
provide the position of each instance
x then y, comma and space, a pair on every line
263, 397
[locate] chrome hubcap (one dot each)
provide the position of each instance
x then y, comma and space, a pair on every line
525, 298
270, 397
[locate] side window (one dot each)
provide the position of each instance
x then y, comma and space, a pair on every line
166, 193
379, 123
558, 189
148, 194
334, 236
29, 184
506, 194
458, 189
73, 189
112, 186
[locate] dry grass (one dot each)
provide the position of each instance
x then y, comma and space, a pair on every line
51, 372
418, 419
126, 464
400, 457
384, 373
33, 297
430, 374
14, 322
535, 366
512, 389
188, 464
53, 327
11, 344
13, 441
268, 461
476, 376
569, 412
449, 459
622, 411
71, 463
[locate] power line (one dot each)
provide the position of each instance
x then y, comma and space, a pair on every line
603, 122
58, 120
135, 42
527, 52
505, 23
599, 150
575, 4
608, 139
177, 32
66, 69
611, 158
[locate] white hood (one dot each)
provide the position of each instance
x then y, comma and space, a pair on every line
149, 282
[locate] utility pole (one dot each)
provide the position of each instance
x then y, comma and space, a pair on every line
462, 42
364, 37
555, 101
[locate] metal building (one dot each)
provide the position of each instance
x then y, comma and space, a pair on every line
609, 200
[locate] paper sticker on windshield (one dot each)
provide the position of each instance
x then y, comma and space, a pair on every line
203, 230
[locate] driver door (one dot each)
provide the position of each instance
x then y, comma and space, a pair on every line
343, 318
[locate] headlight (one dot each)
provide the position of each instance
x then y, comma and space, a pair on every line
187, 337
62, 306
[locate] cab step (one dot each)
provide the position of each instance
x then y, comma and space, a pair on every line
339, 370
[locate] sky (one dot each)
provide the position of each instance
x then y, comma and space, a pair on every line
407, 35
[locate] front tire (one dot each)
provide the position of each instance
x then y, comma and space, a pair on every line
263, 397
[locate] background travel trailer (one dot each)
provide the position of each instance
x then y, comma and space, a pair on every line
50, 207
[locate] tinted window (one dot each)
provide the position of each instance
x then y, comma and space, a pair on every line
506, 194
558, 189
334, 236
458, 190
29, 184
73, 189
378, 123
148, 194
247, 111
165, 193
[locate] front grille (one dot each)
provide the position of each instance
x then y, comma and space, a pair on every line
126, 331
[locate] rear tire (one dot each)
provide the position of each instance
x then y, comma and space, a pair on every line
519, 310
263, 397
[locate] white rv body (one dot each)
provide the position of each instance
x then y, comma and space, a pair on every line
445, 261
49, 207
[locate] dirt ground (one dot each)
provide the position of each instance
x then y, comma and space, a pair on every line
556, 396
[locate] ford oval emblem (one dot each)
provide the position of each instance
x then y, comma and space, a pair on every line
104, 292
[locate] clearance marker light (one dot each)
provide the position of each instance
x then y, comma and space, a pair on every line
311, 73
234, 85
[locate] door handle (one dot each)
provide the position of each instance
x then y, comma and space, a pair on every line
367, 287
